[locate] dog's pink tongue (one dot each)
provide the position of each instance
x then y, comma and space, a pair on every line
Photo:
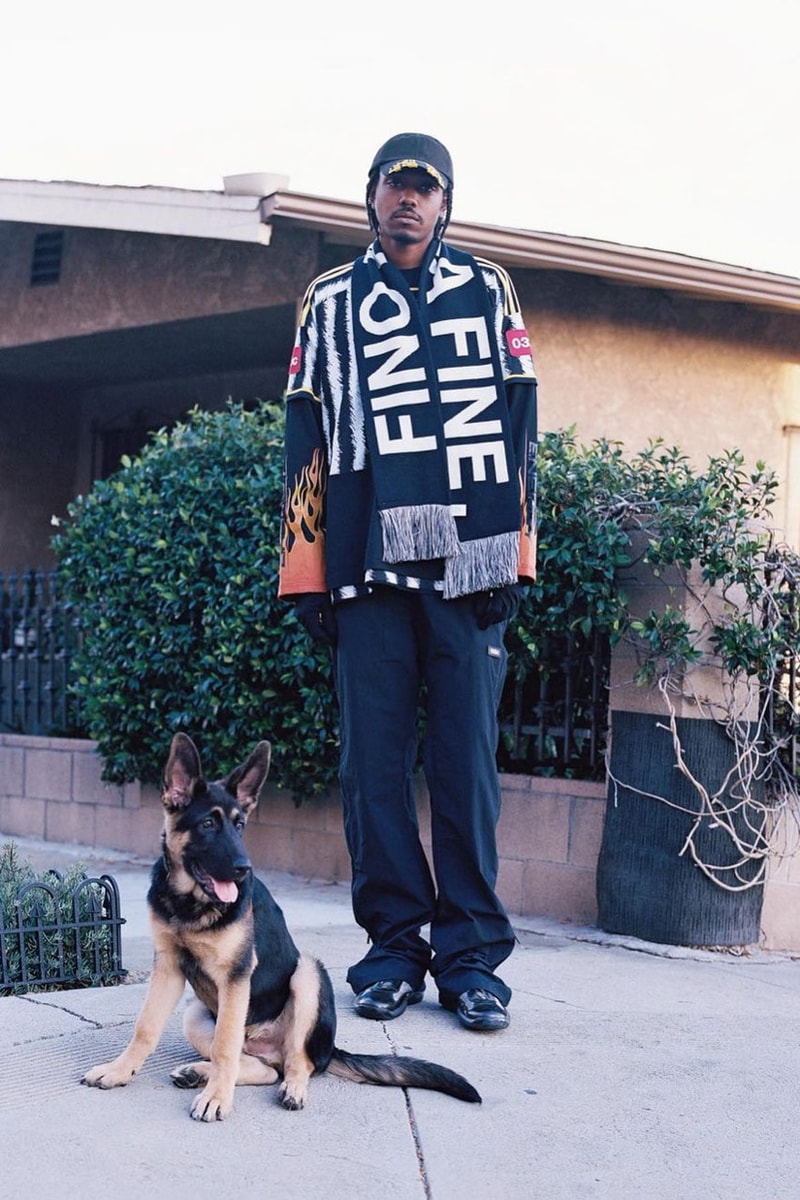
226, 891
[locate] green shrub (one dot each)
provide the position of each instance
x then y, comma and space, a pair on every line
172, 564
574, 597
172, 567
591, 499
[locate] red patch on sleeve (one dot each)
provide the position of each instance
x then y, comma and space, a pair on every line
519, 344
295, 361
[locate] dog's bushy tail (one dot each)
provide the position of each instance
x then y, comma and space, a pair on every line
392, 1070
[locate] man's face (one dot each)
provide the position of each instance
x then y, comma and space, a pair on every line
408, 204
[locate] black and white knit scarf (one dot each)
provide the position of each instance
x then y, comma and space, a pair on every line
436, 420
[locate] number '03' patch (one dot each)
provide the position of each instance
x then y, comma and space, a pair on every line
518, 341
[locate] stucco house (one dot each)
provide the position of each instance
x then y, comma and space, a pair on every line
121, 308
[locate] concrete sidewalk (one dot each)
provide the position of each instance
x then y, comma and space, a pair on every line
628, 1071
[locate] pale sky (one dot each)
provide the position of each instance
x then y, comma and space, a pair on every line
667, 125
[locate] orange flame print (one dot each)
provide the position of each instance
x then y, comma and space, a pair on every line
303, 541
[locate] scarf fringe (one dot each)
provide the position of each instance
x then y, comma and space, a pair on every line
418, 531
482, 564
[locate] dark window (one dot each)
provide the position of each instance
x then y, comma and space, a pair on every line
46, 264
127, 434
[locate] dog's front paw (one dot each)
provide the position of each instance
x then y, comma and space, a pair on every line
109, 1075
212, 1105
292, 1096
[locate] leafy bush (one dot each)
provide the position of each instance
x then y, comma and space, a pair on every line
592, 499
55, 930
558, 645
172, 565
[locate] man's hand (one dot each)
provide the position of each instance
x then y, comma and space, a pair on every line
500, 604
315, 613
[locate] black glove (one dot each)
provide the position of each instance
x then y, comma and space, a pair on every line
315, 613
500, 604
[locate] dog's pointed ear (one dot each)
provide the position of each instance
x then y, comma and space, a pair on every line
246, 781
182, 772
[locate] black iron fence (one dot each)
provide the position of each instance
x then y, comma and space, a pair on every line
56, 934
37, 639
553, 721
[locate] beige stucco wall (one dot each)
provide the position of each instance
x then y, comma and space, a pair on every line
632, 364
112, 280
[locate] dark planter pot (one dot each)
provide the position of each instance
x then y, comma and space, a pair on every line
645, 888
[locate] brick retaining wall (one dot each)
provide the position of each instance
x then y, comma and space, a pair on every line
548, 836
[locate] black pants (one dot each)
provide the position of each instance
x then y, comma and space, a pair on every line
390, 643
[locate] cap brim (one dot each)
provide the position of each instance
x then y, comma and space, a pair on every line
414, 164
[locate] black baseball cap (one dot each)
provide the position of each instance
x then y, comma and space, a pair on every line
415, 151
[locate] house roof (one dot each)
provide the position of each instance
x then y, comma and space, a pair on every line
251, 206
231, 217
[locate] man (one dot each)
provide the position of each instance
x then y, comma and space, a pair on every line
409, 524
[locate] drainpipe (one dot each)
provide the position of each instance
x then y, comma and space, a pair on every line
792, 477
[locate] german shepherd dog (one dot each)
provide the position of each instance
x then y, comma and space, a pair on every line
262, 1011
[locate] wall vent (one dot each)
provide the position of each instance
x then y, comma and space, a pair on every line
46, 263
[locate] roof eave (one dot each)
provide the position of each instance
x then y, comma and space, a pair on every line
248, 215
346, 222
156, 210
